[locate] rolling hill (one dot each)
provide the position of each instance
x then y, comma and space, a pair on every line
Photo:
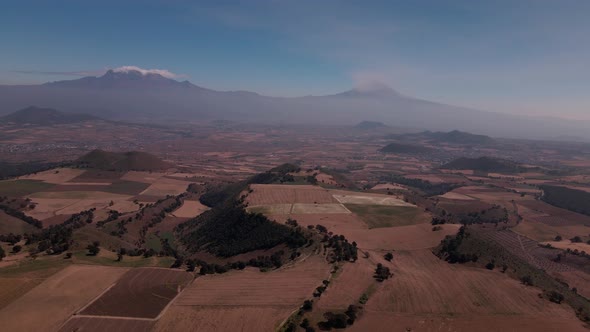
38, 116
123, 161
484, 164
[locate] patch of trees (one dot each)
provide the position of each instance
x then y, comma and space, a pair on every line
93, 248
555, 297
11, 238
342, 250
229, 230
495, 215
449, 248
566, 198
11, 170
21, 215
263, 262
58, 238
382, 273
427, 187
339, 320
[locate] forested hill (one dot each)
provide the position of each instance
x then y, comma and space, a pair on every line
484, 164
228, 229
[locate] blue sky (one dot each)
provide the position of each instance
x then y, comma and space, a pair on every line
525, 57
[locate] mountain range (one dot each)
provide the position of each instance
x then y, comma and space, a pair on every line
148, 97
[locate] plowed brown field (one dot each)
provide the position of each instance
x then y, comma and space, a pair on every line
141, 292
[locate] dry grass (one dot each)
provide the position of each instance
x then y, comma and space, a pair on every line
100, 324
354, 198
164, 186
190, 209
287, 287
206, 319
56, 176
426, 290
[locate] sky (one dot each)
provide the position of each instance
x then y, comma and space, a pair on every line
529, 57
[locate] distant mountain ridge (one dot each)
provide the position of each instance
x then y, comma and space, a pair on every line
149, 97
370, 125
453, 137
33, 115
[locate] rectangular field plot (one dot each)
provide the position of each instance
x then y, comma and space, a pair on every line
270, 194
100, 324
207, 319
141, 292
379, 216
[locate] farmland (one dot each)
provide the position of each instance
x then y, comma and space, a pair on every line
54, 300
146, 292
170, 260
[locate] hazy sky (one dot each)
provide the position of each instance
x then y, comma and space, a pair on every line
526, 57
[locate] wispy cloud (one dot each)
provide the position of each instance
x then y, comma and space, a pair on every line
163, 72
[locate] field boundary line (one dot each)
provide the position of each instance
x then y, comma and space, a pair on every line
115, 317
95, 298
163, 311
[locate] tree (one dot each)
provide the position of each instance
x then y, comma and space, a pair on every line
388, 256
2, 253
305, 323
558, 238
307, 305
527, 280
93, 249
16, 249
491, 265
555, 297
382, 273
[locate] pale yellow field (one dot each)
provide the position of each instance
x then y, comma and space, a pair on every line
279, 209
301, 208
456, 196
190, 209
51, 303
164, 186
354, 198
50, 176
